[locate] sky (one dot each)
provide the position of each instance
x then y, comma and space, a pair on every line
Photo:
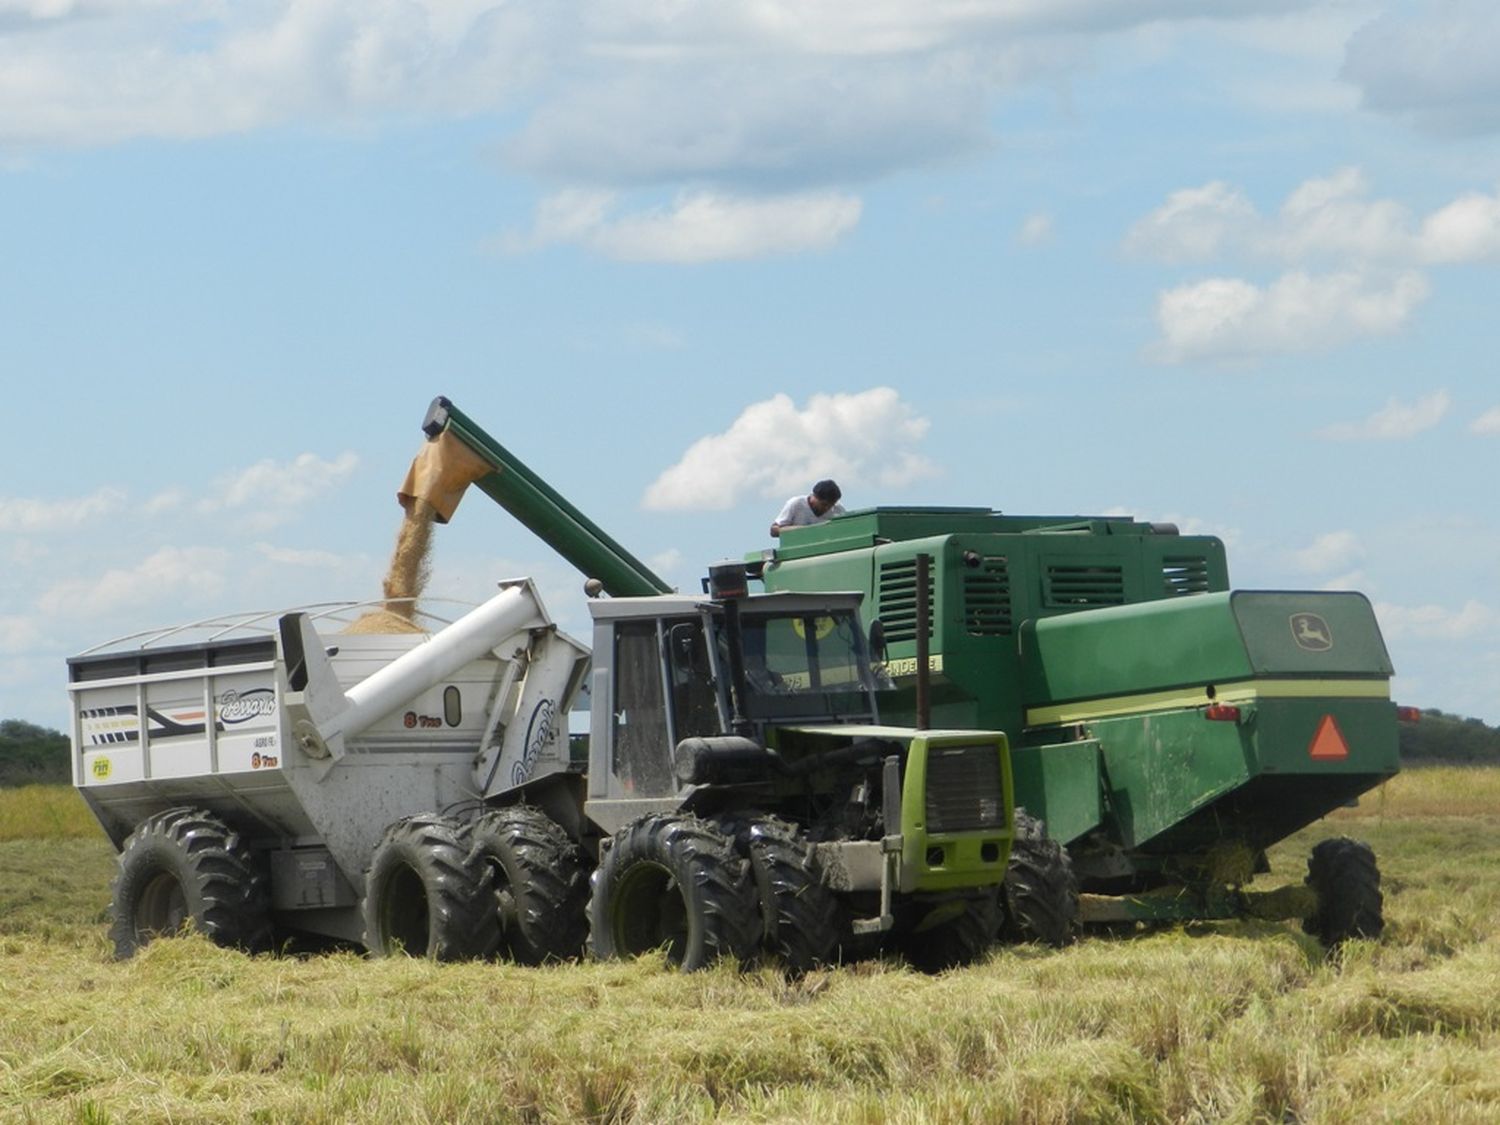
1237, 272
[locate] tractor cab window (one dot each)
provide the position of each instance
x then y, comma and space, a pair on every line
806, 665
695, 703
642, 750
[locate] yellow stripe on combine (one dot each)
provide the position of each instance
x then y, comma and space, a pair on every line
1239, 693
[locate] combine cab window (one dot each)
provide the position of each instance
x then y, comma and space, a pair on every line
695, 705
642, 750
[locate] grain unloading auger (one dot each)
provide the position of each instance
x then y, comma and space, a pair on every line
419, 793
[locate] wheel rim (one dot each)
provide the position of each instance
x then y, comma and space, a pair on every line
404, 916
649, 913
162, 908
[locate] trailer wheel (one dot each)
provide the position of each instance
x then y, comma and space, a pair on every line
802, 919
540, 886
1040, 894
186, 867
427, 895
674, 882
960, 941
1344, 875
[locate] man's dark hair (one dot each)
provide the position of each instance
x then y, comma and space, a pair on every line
827, 491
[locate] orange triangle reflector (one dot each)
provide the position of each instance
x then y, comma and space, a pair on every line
1328, 744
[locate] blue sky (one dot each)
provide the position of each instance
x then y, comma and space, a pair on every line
1073, 256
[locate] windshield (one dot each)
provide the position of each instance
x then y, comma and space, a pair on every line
807, 665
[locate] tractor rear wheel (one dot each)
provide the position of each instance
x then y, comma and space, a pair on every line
186, 867
802, 918
961, 940
1040, 894
540, 886
427, 894
674, 882
1344, 875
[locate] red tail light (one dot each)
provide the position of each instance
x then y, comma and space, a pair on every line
1221, 713
1409, 714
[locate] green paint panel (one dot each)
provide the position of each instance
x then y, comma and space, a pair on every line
1133, 649
1159, 769
1060, 784
1310, 633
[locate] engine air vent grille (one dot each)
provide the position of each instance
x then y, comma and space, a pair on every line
1079, 585
1184, 574
987, 611
898, 601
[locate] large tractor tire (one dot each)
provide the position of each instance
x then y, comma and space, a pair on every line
959, 941
1346, 880
427, 894
1040, 894
802, 919
186, 867
539, 882
674, 882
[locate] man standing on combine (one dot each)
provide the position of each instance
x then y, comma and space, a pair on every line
800, 511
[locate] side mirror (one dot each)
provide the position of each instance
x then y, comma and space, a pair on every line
877, 641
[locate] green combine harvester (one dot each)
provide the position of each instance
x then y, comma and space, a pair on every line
1165, 729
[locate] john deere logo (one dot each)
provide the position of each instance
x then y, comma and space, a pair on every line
1311, 632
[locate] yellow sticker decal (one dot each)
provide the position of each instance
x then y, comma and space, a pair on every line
100, 769
823, 627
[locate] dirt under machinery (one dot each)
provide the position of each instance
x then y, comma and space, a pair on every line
266, 776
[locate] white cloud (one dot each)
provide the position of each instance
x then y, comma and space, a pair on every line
1396, 420
1330, 218
1432, 65
773, 450
289, 556
27, 515
274, 490
1487, 423
1035, 229
1232, 319
1435, 622
699, 226
172, 574
1333, 550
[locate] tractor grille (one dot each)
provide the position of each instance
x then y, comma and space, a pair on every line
987, 599
1079, 585
965, 791
1184, 574
898, 600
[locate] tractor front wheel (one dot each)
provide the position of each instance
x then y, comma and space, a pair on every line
802, 918
674, 882
427, 895
186, 867
540, 886
958, 941
1343, 874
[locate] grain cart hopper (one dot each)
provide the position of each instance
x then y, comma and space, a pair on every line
267, 779
1165, 729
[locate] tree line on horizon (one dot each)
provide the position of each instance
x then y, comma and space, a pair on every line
37, 755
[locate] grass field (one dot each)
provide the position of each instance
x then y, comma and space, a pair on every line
1224, 1022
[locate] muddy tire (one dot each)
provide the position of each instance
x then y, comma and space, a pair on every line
540, 886
962, 940
427, 895
674, 882
1346, 879
801, 918
1040, 893
186, 868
